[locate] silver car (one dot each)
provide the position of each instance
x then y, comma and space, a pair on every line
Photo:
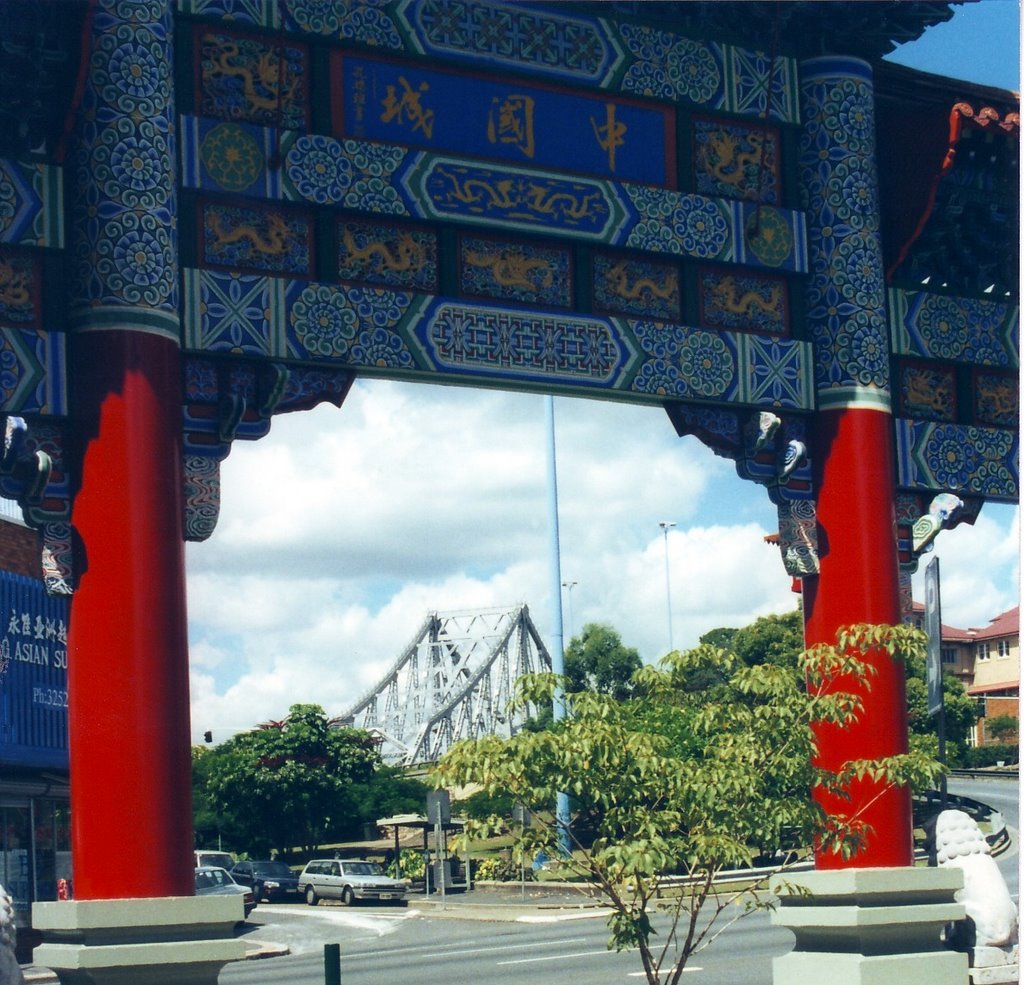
349, 880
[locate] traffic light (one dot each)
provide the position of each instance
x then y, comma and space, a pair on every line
207, 736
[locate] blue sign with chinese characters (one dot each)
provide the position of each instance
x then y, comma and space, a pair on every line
504, 120
33, 674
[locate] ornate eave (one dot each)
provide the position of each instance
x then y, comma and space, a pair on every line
800, 27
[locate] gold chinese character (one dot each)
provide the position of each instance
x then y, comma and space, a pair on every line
610, 135
513, 123
408, 108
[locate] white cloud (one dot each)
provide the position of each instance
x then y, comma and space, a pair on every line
343, 528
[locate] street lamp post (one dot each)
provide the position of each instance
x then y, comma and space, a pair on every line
570, 585
667, 525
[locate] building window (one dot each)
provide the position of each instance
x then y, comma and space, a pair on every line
948, 654
1004, 648
981, 651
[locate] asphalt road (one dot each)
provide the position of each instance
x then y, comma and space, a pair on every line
557, 947
378, 946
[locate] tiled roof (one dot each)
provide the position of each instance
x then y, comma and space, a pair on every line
1005, 624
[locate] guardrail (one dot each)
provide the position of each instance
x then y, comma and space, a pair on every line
1006, 773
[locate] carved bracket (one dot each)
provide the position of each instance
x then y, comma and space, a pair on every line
773, 453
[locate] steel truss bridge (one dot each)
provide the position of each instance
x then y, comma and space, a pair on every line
454, 681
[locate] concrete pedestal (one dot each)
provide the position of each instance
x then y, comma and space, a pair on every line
869, 927
181, 940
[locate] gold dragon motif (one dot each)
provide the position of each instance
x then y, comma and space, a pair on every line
14, 291
275, 241
618, 283
511, 269
731, 298
267, 74
723, 159
408, 255
921, 391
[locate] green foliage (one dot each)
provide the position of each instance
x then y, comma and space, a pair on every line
771, 639
386, 793
960, 710
484, 804
597, 660
1002, 728
287, 783
992, 754
688, 780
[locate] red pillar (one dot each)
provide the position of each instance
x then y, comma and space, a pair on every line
128, 668
859, 583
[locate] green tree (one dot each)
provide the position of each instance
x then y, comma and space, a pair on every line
1002, 728
290, 782
387, 793
959, 710
597, 660
687, 782
771, 639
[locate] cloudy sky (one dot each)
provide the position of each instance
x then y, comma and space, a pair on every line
343, 528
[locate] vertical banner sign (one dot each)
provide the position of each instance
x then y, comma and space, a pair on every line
933, 627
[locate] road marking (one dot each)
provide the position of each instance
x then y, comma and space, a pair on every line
643, 974
556, 957
558, 918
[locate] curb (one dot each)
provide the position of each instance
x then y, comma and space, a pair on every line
254, 950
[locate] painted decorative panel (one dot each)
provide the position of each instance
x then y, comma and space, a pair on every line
33, 372
402, 334
386, 180
489, 34
256, 238
20, 290
967, 460
388, 254
31, 204
971, 330
997, 399
927, 391
529, 273
846, 310
736, 160
230, 157
257, 79
124, 255
637, 286
421, 106
733, 300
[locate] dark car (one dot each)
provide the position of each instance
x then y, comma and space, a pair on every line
211, 880
268, 880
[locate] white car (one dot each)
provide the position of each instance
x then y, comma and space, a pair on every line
349, 880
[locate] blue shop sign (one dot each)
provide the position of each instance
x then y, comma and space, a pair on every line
504, 120
33, 674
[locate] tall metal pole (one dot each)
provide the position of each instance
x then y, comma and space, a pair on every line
667, 525
557, 634
570, 585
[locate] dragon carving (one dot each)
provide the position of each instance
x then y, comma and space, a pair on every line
274, 241
618, 283
265, 74
408, 254
512, 269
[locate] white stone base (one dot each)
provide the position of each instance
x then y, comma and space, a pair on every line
869, 927
995, 966
181, 940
